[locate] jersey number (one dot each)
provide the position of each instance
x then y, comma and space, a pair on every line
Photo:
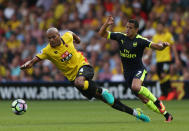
139, 72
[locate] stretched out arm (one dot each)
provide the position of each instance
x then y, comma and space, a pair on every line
156, 46
30, 63
103, 30
163, 45
159, 46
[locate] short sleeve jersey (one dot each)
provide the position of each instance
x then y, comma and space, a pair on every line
65, 57
163, 55
131, 50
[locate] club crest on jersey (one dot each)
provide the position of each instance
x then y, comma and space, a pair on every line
135, 44
66, 56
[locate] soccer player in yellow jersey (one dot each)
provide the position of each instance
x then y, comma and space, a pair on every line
61, 52
164, 59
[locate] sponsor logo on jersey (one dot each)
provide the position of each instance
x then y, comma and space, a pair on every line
126, 53
66, 56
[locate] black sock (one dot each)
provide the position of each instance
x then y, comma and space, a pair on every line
157, 103
92, 88
166, 115
121, 107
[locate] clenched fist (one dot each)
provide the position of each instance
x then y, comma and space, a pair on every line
109, 20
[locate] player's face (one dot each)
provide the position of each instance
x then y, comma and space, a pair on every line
130, 29
53, 38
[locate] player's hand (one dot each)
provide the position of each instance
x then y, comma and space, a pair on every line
26, 65
109, 20
165, 44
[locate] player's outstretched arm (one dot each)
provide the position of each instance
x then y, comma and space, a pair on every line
30, 63
159, 46
103, 30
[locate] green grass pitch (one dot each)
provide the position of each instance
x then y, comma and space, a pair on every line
90, 116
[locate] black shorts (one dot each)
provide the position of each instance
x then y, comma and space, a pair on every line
88, 72
163, 67
131, 74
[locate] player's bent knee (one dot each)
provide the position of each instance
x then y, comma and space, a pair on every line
135, 88
79, 82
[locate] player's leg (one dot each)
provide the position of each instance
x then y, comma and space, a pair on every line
165, 84
149, 103
89, 89
163, 73
146, 96
135, 112
118, 105
141, 90
135, 87
105, 96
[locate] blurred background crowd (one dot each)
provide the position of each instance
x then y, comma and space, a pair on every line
23, 26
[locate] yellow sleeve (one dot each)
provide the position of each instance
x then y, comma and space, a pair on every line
42, 55
68, 37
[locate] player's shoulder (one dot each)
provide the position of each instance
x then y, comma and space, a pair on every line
46, 48
141, 37
119, 33
168, 34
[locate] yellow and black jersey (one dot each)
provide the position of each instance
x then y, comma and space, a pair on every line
131, 50
163, 55
65, 56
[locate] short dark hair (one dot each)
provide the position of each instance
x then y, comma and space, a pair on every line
135, 22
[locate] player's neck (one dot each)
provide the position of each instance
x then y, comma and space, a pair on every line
160, 32
58, 44
133, 36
